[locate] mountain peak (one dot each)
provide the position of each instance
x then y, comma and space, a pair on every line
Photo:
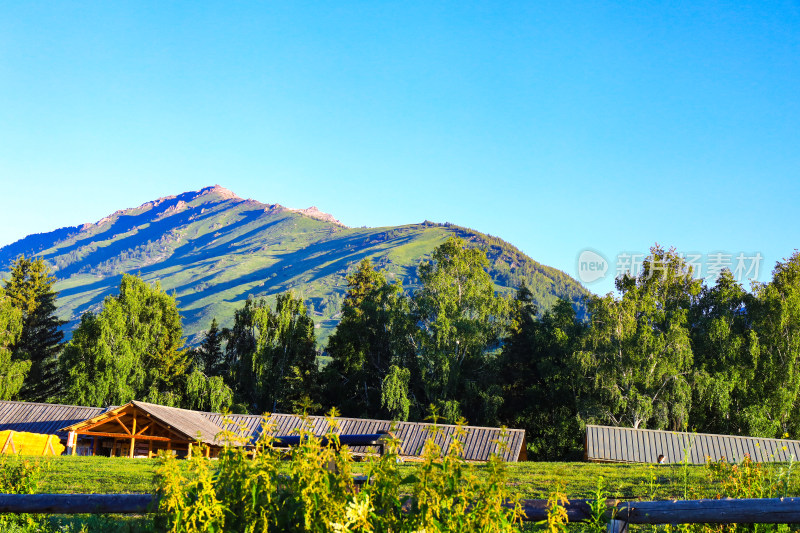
220, 191
313, 212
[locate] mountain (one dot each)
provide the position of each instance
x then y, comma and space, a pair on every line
215, 249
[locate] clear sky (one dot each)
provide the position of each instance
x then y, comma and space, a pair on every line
558, 126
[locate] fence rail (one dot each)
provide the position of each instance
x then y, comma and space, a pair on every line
619, 513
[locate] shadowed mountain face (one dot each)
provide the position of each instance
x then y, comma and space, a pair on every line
214, 250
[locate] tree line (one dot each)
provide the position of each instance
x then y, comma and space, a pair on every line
668, 351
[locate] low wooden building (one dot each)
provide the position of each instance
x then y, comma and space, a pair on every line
478, 442
628, 445
140, 429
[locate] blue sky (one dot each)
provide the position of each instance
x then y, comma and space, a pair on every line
558, 126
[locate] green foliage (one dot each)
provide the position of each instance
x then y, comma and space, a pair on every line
461, 322
776, 321
131, 350
12, 373
204, 393
638, 348
542, 382
726, 354
394, 393
285, 359
314, 491
20, 477
372, 337
557, 518
30, 290
272, 356
208, 356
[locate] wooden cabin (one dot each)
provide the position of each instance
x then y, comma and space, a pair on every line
628, 445
140, 429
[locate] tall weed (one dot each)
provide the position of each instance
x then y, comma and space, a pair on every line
312, 488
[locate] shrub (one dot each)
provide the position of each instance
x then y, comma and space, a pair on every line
312, 489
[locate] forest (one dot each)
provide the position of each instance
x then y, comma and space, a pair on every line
667, 351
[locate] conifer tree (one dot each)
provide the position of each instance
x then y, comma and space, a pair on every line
209, 354
540, 379
30, 289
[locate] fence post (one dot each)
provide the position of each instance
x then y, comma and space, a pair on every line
617, 526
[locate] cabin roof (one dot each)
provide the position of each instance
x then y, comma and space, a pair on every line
191, 424
628, 445
43, 418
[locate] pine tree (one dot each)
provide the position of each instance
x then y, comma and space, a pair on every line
209, 354
30, 289
542, 386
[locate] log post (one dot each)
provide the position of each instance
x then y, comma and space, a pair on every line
133, 438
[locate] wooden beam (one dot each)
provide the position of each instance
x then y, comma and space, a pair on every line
140, 437
745, 511
128, 431
100, 423
8, 440
141, 432
101, 417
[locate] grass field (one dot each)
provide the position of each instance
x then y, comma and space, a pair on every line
528, 480
534, 480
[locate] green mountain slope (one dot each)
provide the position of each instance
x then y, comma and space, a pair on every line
214, 250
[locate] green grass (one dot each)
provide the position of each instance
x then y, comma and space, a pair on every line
99, 475
528, 480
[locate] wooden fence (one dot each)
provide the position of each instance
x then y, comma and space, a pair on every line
619, 513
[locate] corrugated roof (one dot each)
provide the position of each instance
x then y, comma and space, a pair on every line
478, 442
628, 445
43, 417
